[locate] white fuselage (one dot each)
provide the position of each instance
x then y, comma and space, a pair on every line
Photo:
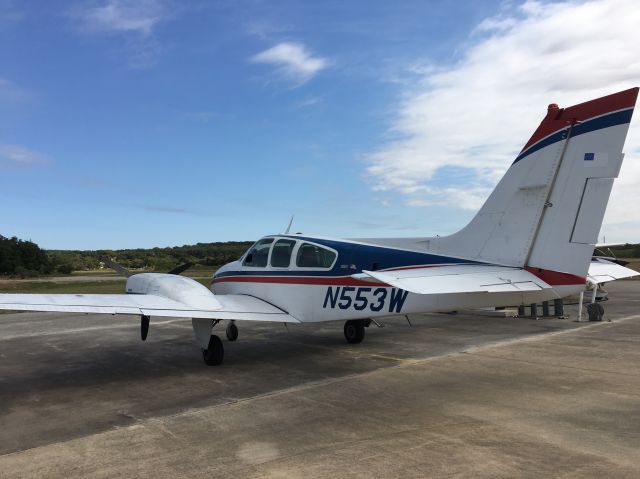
313, 295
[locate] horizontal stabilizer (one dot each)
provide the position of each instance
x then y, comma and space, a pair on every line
459, 279
603, 271
231, 306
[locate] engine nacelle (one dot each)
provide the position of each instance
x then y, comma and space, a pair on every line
178, 288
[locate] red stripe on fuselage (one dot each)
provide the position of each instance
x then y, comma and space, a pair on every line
560, 118
556, 278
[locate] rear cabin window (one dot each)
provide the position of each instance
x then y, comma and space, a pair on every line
312, 256
281, 254
258, 254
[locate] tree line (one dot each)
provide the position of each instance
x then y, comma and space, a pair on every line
23, 258
26, 259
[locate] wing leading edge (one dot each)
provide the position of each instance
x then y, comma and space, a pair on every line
232, 306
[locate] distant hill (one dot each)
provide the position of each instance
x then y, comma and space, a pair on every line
208, 255
623, 251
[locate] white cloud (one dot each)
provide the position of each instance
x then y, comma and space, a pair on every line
136, 20
475, 116
21, 155
121, 16
293, 61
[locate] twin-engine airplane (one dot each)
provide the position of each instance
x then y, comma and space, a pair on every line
531, 241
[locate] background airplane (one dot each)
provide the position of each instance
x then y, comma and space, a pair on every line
531, 241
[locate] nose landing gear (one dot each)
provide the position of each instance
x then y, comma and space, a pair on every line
232, 331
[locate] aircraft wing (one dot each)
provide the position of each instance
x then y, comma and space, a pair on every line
230, 306
458, 279
602, 271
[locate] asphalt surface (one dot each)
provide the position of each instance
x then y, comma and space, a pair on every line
453, 396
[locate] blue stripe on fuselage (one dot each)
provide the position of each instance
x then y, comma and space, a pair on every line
362, 256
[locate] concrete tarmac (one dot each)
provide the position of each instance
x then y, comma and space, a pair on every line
453, 396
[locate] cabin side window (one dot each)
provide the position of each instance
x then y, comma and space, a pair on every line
258, 254
313, 256
281, 254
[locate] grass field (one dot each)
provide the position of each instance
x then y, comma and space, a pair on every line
634, 263
102, 286
193, 272
117, 285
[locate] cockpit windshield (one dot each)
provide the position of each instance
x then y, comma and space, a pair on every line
258, 254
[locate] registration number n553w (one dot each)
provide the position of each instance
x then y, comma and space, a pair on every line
361, 299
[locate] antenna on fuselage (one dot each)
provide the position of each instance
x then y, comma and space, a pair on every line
289, 226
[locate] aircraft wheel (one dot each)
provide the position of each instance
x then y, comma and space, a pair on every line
354, 331
232, 331
595, 311
214, 354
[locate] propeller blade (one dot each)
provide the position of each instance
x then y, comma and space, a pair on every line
181, 268
144, 327
121, 270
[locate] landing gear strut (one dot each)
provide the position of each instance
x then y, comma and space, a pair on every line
214, 354
354, 331
232, 331
212, 349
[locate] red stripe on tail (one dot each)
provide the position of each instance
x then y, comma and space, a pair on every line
556, 278
558, 118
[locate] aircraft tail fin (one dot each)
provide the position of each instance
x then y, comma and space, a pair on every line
547, 210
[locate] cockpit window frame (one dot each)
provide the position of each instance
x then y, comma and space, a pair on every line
301, 242
294, 250
293, 266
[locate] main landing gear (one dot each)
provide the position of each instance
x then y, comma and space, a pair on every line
214, 354
211, 345
354, 330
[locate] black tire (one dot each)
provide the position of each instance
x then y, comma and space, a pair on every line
214, 354
595, 311
232, 331
354, 331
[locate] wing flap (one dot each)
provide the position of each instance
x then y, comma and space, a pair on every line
460, 279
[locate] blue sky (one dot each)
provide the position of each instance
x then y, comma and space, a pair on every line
154, 123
